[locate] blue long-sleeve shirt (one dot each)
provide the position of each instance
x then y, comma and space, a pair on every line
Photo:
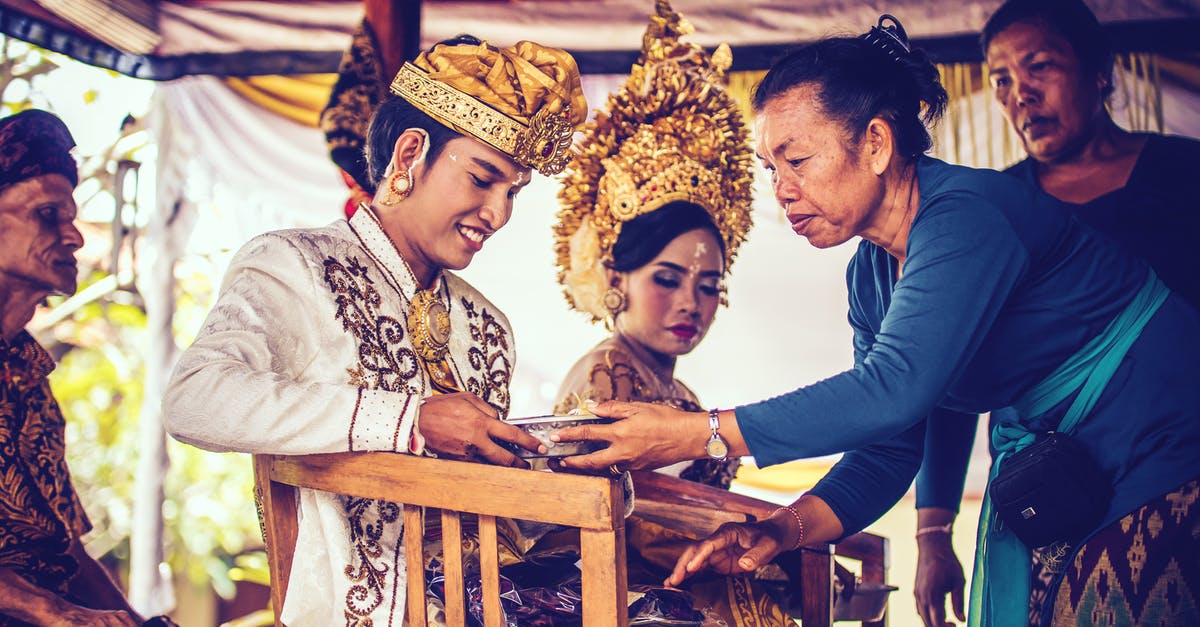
999, 287
1156, 216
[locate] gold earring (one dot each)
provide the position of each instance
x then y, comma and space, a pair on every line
614, 301
399, 186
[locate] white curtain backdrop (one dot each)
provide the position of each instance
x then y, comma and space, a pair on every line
227, 171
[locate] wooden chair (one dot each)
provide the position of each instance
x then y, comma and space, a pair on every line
594, 505
696, 510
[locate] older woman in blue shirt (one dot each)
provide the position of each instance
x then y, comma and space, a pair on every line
970, 291
1051, 72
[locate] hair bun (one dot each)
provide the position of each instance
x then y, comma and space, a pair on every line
891, 38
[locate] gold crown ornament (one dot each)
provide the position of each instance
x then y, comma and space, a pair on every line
671, 132
525, 101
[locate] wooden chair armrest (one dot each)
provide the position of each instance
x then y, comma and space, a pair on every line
703, 505
558, 498
659, 488
697, 510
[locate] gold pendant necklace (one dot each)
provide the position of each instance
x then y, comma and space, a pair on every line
429, 324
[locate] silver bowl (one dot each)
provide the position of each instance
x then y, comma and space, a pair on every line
541, 427
867, 602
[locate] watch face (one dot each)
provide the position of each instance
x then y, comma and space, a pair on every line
716, 448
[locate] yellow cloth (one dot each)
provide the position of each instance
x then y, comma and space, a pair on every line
297, 98
794, 476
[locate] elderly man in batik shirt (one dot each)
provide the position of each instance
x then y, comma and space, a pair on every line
356, 337
46, 577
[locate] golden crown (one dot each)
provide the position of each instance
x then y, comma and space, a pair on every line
544, 145
671, 132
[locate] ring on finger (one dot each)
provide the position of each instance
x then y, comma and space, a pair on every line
614, 470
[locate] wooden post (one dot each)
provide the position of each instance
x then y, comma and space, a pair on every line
279, 529
816, 593
452, 569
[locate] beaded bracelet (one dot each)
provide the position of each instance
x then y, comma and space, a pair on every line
947, 529
791, 509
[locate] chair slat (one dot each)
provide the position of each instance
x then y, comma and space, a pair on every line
452, 568
277, 515
816, 570
414, 558
489, 568
874, 569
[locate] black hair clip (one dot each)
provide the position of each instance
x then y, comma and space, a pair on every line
891, 39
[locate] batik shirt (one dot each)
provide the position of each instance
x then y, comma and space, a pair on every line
40, 513
307, 351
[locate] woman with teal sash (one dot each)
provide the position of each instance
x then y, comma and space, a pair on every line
970, 290
1051, 74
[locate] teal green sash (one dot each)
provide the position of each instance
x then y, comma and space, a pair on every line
1000, 581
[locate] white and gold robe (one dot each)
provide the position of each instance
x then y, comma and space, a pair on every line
307, 351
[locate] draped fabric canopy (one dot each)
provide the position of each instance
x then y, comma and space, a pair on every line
167, 39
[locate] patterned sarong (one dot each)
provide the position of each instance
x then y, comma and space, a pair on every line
1143, 569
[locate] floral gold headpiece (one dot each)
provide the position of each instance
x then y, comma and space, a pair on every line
671, 132
525, 101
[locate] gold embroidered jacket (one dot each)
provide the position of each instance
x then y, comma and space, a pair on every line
307, 351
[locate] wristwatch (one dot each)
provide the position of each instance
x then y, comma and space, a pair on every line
716, 447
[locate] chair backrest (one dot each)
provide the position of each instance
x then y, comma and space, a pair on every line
594, 505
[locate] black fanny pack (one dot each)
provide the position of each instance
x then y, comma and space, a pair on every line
1050, 491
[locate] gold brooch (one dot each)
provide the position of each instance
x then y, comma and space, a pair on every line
546, 144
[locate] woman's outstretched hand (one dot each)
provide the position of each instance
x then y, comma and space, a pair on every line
641, 436
732, 549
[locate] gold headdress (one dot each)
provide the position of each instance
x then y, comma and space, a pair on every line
524, 101
671, 132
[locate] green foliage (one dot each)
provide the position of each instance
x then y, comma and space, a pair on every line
208, 513
98, 384
251, 567
20, 63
